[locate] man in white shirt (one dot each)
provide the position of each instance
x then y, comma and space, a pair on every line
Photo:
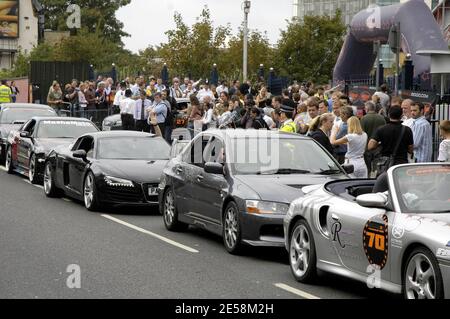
384, 97
205, 91
142, 112
407, 118
127, 109
120, 95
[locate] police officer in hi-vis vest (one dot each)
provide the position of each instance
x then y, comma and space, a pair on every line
5, 92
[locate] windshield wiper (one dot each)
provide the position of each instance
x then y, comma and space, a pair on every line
329, 172
284, 171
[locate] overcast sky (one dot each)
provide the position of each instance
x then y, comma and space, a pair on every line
147, 20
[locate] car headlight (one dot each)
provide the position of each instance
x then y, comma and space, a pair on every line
265, 208
118, 182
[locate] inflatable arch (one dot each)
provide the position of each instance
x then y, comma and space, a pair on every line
419, 31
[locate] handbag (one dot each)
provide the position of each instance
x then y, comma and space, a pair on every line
386, 162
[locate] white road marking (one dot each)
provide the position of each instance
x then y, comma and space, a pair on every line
35, 185
296, 291
164, 239
67, 200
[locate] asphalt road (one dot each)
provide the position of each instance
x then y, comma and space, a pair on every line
129, 254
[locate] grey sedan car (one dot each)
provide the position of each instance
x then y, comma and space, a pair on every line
393, 233
239, 183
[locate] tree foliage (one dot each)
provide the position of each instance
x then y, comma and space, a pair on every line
97, 16
308, 50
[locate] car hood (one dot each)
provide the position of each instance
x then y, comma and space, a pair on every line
45, 145
138, 171
283, 188
5, 129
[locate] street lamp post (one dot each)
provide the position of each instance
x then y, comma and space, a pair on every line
247, 6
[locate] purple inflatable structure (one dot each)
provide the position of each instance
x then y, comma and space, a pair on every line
419, 31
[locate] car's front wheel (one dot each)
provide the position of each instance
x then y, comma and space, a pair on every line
422, 278
232, 236
9, 161
302, 253
32, 171
50, 188
90, 193
170, 213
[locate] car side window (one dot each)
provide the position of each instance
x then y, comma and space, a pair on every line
29, 127
86, 144
214, 151
194, 154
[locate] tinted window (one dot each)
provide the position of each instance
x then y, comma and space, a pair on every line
64, 129
130, 148
269, 155
12, 115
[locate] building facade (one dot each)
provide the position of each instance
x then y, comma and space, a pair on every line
18, 30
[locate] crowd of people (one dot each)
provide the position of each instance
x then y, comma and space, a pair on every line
8, 92
371, 136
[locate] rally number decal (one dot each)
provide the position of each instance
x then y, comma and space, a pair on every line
375, 238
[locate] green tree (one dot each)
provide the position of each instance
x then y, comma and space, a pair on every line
193, 50
308, 50
259, 52
97, 16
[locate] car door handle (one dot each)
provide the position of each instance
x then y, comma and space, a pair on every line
179, 170
200, 178
335, 217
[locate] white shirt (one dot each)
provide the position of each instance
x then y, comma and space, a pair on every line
209, 120
269, 121
221, 89
127, 106
356, 145
408, 122
120, 95
138, 109
444, 151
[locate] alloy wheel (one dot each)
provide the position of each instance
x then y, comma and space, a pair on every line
169, 208
231, 228
420, 278
32, 169
47, 179
89, 191
300, 250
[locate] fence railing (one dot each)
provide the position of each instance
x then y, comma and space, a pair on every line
96, 115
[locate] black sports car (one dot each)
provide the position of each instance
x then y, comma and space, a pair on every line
28, 147
13, 116
239, 184
120, 168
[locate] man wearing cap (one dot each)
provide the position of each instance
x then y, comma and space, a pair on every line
287, 124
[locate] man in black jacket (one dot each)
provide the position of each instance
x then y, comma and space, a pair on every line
258, 122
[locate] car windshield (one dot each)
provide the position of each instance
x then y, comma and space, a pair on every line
423, 189
133, 148
11, 115
269, 156
64, 129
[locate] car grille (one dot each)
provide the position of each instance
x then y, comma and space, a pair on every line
125, 194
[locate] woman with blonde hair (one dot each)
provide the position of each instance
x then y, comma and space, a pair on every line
356, 141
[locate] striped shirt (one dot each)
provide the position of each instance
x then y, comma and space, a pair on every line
423, 140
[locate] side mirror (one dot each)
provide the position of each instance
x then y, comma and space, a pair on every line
349, 168
378, 200
25, 134
214, 168
80, 154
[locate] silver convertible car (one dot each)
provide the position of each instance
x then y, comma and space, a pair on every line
392, 233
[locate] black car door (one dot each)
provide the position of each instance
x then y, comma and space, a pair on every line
25, 145
74, 168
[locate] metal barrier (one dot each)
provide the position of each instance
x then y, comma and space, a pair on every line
95, 115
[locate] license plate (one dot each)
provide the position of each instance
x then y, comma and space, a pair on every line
152, 191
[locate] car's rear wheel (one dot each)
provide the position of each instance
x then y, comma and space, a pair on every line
302, 253
170, 213
9, 161
50, 188
422, 278
232, 236
32, 171
90, 193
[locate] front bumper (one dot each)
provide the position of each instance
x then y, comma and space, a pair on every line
128, 196
262, 230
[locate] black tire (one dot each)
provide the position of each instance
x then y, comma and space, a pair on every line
170, 213
8, 161
231, 230
308, 275
32, 171
50, 188
92, 204
426, 259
